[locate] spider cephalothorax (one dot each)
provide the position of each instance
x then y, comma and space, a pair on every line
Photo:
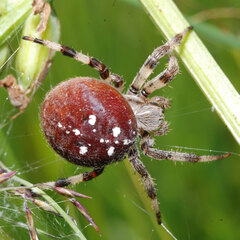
90, 123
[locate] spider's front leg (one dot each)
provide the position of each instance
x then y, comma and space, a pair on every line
163, 78
152, 61
146, 178
82, 177
147, 148
104, 73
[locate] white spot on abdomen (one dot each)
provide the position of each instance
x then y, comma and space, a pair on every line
92, 119
101, 140
111, 151
83, 150
59, 124
116, 131
76, 131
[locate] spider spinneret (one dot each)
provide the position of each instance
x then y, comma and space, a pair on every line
90, 123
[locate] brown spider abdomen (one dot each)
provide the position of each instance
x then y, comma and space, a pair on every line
88, 122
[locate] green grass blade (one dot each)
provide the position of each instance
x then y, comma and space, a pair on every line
214, 34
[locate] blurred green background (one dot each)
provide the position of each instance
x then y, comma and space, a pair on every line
197, 201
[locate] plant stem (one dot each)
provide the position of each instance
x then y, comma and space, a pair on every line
206, 72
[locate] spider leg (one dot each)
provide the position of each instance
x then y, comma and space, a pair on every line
82, 177
163, 78
147, 143
146, 178
153, 59
163, 102
92, 62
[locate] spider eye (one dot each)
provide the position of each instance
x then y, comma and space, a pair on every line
88, 122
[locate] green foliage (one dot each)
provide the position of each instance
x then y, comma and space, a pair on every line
198, 201
13, 13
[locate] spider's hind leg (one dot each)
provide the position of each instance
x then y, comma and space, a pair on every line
146, 178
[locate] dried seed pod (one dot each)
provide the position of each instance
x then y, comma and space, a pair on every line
31, 225
85, 213
31, 59
45, 206
6, 175
69, 192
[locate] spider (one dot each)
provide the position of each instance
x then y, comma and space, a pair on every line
90, 123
